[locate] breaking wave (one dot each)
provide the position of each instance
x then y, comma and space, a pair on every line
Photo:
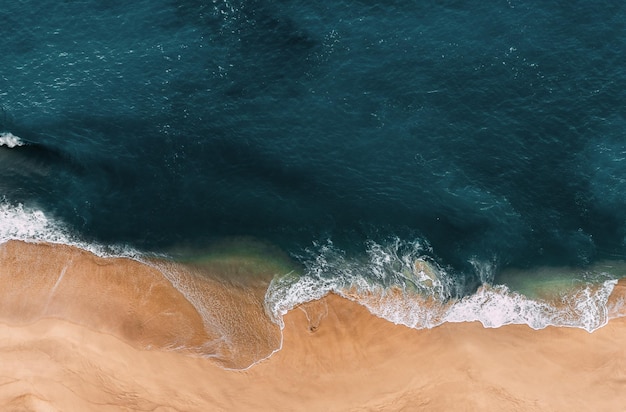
19, 222
400, 283
10, 140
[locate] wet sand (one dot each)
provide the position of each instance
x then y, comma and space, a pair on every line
100, 342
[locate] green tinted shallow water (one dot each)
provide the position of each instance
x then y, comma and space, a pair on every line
238, 258
550, 282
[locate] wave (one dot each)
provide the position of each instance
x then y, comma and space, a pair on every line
19, 222
402, 284
10, 140
493, 306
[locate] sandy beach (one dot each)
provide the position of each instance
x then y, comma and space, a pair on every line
75, 347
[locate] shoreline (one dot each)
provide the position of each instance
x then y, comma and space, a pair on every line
80, 332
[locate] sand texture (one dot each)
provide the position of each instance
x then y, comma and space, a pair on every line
97, 340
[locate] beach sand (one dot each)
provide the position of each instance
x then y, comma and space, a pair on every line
96, 340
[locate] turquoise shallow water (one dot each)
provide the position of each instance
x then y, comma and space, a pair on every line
356, 136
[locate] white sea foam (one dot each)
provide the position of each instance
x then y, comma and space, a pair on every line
420, 295
584, 307
394, 264
493, 306
18, 222
10, 140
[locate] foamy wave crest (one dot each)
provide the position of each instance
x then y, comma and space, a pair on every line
18, 222
398, 283
584, 307
10, 140
395, 264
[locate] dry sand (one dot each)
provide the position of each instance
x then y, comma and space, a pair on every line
336, 356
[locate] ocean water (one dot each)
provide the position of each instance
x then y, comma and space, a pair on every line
474, 154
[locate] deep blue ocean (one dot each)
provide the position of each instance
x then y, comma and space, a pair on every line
462, 132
